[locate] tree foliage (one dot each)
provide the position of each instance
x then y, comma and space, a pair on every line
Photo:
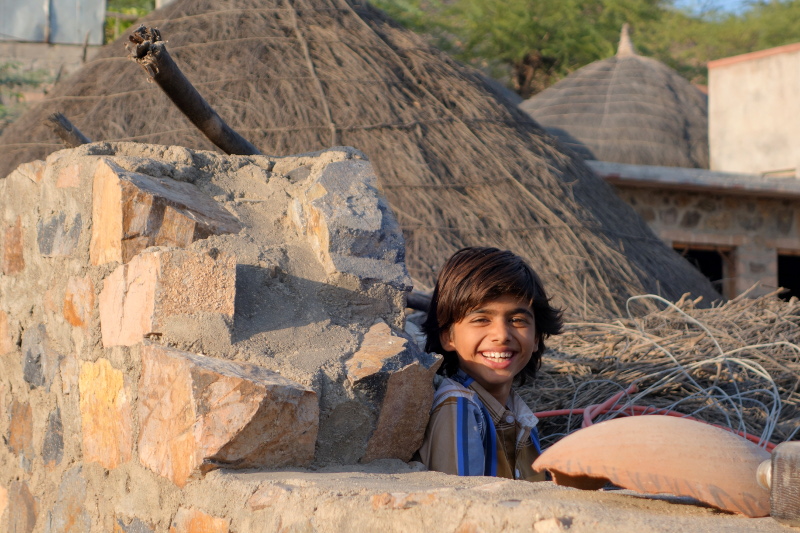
533, 43
114, 26
13, 80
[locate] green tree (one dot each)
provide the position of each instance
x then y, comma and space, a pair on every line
533, 43
123, 13
536, 40
687, 43
12, 81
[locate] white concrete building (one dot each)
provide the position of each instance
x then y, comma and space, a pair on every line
753, 110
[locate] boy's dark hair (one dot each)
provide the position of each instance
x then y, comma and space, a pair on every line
473, 276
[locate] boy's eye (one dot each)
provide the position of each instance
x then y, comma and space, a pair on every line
520, 320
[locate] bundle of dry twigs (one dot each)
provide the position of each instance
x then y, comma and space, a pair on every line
736, 365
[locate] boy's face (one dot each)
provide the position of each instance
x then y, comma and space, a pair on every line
494, 342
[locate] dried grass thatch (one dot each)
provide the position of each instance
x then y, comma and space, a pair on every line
627, 109
459, 166
737, 365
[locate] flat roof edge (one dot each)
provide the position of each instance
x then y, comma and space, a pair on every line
695, 179
726, 61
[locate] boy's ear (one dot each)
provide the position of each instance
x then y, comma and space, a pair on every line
445, 338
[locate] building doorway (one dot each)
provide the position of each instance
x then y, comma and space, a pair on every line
789, 273
715, 263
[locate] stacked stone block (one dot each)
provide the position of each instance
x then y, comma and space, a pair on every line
165, 313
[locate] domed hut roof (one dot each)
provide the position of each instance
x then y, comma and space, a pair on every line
459, 166
627, 109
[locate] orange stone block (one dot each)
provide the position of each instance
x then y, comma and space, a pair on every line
34, 170
22, 508
194, 521
7, 341
105, 414
69, 176
106, 241
20, 438
3, 501
137, 298
52, 300
133, 211
395, 379
198, 413
13, 260
79, 301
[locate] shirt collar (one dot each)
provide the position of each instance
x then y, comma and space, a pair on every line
517, 405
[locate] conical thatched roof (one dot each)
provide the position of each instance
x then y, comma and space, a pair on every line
627, 109
458, 166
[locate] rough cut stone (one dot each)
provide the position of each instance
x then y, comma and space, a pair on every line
53, 444
20, 438
198, 413
134, 526
396, 379
5, 411
13, 259
69, 514
58, 237
139, 297
69, 373
132, 211
3, 502
195, 521
268, 496
22, 508
40, 363
79, 301
8, 340
34, 170
350, 226
69, 176
105, 414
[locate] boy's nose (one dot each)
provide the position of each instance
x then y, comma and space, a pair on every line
501, 331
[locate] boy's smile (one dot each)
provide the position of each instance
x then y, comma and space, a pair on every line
494, 343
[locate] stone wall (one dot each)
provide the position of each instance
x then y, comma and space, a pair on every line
751, 229
166, 313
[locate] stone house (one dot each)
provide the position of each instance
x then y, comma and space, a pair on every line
738, 221
738, 229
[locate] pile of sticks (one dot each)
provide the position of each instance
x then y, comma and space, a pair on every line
736, 365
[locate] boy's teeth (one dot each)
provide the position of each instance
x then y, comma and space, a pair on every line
497, 355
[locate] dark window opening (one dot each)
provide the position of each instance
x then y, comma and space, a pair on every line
714, 264
789, 275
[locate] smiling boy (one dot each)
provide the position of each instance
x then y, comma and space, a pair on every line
489, 316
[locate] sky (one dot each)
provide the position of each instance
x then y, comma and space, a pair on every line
730, 6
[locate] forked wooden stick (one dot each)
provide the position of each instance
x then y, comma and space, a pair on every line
148, 49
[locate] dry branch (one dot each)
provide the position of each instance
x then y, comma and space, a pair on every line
592, 361
150, 52
67, 131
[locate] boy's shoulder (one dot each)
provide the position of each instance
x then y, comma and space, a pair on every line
449, 388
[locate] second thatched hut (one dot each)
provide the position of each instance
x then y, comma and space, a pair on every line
627, 109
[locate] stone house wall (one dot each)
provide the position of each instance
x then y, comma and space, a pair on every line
750, 230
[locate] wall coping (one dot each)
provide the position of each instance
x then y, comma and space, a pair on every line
751, 56
695, 179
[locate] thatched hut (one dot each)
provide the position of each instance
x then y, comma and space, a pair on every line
627, 109
458, 165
